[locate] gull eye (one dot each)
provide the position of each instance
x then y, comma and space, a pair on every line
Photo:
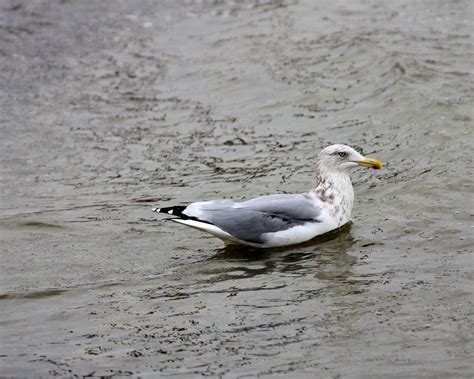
342, 154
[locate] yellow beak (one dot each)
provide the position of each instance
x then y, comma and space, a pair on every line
371, 163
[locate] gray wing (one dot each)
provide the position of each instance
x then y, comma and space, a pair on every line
298, 207
250, 220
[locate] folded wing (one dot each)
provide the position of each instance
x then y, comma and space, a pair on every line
250, 220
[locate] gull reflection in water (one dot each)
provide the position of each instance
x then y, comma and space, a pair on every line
324, 257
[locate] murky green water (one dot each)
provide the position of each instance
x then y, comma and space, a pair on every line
111, 108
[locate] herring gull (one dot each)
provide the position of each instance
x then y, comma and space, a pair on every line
283, 219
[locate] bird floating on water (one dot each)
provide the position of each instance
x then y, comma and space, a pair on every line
284, 219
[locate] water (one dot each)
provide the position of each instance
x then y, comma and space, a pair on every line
111, 108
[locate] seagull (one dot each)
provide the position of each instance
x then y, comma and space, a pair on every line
282, 219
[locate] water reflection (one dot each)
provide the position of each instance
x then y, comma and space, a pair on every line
326, 254
324, 264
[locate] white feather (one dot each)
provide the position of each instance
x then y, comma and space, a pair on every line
214, 230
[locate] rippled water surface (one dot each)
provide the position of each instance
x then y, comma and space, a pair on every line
109, 108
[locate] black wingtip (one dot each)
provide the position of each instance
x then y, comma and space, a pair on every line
177, 211
174, 211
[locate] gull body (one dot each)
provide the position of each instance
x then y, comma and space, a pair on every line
283, 219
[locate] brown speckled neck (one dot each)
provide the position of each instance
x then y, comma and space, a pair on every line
334, 189
323, 189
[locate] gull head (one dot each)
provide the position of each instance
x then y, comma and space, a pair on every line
340, 158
